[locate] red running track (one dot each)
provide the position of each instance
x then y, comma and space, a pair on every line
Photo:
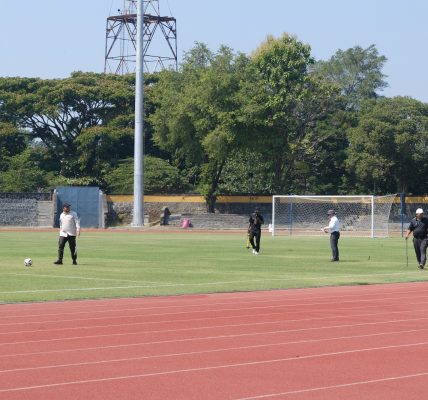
366, 342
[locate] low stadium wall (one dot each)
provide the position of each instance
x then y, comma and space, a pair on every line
23, 209
120, 206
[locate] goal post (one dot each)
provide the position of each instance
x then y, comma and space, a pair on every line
365, 215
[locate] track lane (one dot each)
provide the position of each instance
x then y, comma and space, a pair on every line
302, 347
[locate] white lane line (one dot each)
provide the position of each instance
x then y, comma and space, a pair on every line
285, 278
166, 301
63, 339
280, 303
274, 303
81, 278
156, 356
216, 367
187, 312
138, 344
285, 313
343, 385
169, 320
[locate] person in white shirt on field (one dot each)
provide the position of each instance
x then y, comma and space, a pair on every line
334, 229
69, 229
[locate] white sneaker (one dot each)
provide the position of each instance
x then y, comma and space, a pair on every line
255, 253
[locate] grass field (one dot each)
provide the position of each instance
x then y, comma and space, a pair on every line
147, 263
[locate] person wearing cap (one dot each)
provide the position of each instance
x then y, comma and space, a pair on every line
255, 228
419, 227
69, 228
334, 229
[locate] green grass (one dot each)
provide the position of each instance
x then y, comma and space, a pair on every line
120, 264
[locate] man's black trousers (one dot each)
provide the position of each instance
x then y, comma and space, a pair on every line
334, 240
71, 243
255, 236
420, 246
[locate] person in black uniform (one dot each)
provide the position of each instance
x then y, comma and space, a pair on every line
256, 221
419, 227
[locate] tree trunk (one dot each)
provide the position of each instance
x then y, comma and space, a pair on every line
211, 200
211, 196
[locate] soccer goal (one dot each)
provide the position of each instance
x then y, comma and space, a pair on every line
358, 215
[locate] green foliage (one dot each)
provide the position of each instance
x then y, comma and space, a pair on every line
100, 148
282, 64
247, 172
389, 147
159, 177
12, 140
357, 72
273, 122
57, 111
291, 104
195, 119
59, 180
324, 169
22, 174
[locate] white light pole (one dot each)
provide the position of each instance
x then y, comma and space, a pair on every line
138, 215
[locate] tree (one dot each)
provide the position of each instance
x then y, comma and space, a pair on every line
357, 72
12, 142
284, 106
23, 174
195, 120
100, 148
159, 177
56, 112
388, 150
247, 172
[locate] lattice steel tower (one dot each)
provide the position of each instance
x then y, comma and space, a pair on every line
160, 33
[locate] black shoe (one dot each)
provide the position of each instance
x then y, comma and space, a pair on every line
334, 260
74, 262
421, 266
58, 262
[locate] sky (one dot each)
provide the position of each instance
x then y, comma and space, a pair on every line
53, 38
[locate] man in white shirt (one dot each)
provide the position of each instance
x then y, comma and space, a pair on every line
334, 229
69, 228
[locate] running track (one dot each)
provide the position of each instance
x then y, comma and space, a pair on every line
367, 342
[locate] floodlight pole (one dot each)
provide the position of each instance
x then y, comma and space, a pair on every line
138, 214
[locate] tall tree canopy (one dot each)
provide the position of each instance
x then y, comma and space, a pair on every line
195, 120
389, 148
357, 72
57, 111
286, 105
271, 122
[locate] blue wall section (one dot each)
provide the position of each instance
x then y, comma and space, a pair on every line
84, 200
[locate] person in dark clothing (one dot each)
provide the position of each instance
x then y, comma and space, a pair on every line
419, 227
256, 221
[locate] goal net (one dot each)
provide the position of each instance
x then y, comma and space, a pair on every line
358, 215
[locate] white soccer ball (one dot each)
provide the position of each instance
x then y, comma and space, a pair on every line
28, 262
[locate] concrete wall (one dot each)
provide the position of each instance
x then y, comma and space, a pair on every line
21, 209
120, 207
